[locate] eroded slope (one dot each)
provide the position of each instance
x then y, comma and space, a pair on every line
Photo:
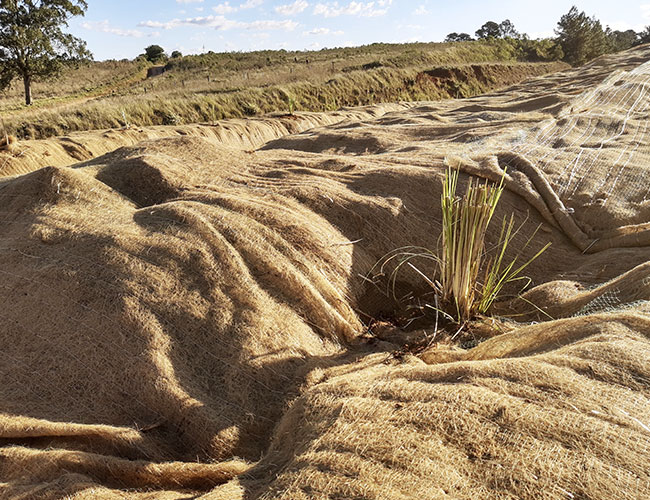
183, 319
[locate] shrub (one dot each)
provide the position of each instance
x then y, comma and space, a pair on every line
372, 65
167, 117
458, 37
542, 50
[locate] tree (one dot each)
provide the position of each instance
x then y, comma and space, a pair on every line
155, 53
32, 43
176, 54
505, 29
643, 36
508, 30
489, 30
621, 40
581, 37
458, 37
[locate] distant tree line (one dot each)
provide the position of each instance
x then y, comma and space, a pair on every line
579, 39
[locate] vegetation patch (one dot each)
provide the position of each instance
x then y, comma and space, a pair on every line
463, 278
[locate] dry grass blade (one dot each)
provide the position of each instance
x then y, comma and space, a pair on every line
401, 257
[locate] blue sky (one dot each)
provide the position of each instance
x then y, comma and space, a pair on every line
116, 29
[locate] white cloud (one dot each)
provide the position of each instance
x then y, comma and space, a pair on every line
270, 25
224, 8
221, 23
421, 11
251, 4
291, 9
218, 22
322, 31
157, 24
362, 9
105, 27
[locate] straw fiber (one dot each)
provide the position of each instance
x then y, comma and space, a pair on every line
185, 318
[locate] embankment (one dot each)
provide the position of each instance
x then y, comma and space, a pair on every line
354, 88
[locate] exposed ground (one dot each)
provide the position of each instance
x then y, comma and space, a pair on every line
189, 315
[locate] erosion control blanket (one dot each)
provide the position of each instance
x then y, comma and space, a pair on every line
180, 319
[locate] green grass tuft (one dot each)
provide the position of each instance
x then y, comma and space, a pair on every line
455, 282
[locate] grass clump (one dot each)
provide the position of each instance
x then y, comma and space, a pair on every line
466, 281
464, 225
465, 222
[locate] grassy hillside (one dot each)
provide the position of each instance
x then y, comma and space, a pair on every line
213, 86
92, 79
